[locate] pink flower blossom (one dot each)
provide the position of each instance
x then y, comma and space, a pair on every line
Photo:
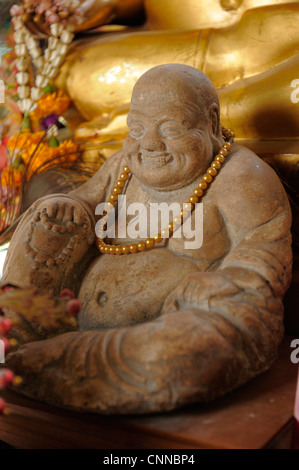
16, 10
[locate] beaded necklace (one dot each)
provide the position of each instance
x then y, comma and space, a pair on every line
188, 207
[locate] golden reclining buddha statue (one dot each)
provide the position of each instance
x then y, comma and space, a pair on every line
238, 44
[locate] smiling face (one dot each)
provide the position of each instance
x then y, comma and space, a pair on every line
169, 143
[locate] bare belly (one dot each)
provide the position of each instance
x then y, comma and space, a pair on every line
125, 290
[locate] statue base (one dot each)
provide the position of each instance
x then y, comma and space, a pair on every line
255, 416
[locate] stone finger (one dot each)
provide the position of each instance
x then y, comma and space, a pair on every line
69, 212
79, 216
61, 211
56, 229
51, 210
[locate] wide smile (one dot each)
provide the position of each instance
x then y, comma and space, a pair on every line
155, 158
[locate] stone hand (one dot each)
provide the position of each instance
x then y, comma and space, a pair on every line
60, 232
64, 215
196, 291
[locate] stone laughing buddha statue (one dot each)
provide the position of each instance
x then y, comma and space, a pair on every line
162, 325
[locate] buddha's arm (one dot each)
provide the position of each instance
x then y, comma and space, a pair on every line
242, 300
53, 244
48, 226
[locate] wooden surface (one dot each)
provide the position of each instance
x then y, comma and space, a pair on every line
256, 415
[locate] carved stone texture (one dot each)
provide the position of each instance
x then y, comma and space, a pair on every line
171, 325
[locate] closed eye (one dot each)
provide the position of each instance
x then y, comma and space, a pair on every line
171, 132
137, 131
171, 129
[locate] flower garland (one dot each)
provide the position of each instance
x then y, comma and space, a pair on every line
32, 152
40, 108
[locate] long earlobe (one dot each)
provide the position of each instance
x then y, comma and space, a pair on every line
215, 120
216, 128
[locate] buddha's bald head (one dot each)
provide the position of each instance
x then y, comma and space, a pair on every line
181, 84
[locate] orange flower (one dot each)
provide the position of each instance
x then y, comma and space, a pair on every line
69, 150
45, 156
34, 152
6, 176
24, 139
57, 102
37, 155
18, 176
11, 176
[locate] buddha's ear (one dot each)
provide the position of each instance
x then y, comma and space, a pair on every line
215, 127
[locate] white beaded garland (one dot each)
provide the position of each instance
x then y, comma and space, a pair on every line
21, 64
20, 50
56, 29
23, 91
46, 66
19, 36
36, 93
66, 37
41, 81
39, 62
53, 43
22, 78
